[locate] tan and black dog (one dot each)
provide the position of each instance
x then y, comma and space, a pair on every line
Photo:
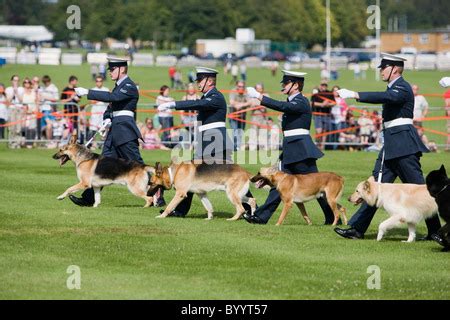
301, 188
201, 178
95, 171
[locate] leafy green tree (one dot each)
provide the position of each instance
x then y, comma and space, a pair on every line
23, 12
194, 19
351, 16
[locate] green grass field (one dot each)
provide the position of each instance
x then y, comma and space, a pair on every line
123, 252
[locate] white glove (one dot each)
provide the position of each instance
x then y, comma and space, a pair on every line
81, 92
445, 82
347, 94
252, 93
105, 125
166, 106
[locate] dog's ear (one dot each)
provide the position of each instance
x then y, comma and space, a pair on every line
175, 160
371, 179
442, 170
255, 178
74, 138
366, 186
159, 168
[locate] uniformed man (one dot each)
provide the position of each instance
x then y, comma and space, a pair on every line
213, 145
403, 148
299, 151
123, 134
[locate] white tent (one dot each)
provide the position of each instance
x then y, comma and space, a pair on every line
26, 33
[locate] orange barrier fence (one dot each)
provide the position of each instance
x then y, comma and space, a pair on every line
232, 115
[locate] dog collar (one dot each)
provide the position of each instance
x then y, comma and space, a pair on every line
170, 175
442, 190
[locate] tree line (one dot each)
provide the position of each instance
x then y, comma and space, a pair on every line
184, 21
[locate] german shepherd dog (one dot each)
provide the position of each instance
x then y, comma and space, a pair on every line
201, 178
438, 184
405, 203
97, 171
301, 188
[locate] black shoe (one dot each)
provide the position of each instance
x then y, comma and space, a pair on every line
160, 203
253, 219
349, 233
80, 201
440, 240
175, 214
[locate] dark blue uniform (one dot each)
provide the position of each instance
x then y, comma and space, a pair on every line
299, 152
213, 145
123, 136
403, 148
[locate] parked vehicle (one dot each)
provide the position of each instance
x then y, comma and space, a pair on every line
274, 56
297, 57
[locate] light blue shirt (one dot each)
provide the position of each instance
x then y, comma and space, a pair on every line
392, 82
291, 97
121, 80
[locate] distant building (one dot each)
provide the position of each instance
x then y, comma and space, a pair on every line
437, 40
25, 33
244, 43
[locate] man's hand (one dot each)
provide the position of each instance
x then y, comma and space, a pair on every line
445, 82
166, 106
347, 94
105, 125
81, 92
252, 93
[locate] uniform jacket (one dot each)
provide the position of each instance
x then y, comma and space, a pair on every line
296, 115
211, 108
123, 97
398, 102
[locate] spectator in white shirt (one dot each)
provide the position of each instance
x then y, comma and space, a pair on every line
49, 97
3, 110
30, 102
14, 93
14, 96
243, 70
234, 73
338, 114
49, 93
366, 127
420, 106
190, 118
165, 117
324, 74
98, 108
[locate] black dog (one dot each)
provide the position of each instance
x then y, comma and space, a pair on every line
438, 186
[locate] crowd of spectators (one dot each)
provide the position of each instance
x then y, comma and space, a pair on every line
35, 111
